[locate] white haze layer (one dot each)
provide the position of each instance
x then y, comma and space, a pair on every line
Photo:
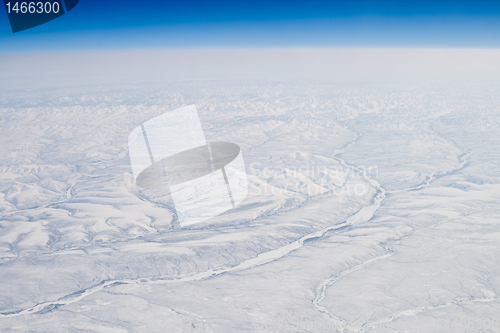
374, 201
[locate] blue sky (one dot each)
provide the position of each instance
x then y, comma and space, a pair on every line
155, 24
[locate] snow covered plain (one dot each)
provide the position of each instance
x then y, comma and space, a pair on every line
373, 207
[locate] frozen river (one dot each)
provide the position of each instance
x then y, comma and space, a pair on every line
373, 207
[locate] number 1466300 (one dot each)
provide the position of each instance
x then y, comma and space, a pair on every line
32, 7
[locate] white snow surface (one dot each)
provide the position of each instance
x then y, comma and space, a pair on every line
373, 206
